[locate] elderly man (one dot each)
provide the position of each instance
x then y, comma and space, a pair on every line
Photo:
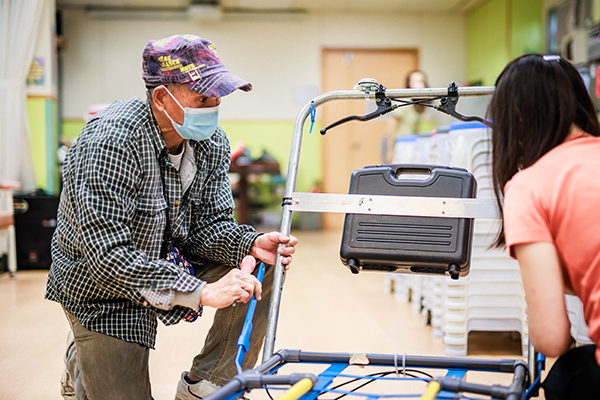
146, 230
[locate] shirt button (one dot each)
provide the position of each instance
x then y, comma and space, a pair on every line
145, 304
176, 202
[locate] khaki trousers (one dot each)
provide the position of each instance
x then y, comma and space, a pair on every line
103, 367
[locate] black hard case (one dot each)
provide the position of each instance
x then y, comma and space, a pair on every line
424, 245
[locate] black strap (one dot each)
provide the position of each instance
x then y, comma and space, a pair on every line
168, 235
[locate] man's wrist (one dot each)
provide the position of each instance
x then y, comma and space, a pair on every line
253, 247
191, 299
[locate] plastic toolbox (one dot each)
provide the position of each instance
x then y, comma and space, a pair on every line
405, 244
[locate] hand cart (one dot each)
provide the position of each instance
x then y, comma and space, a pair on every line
440, 377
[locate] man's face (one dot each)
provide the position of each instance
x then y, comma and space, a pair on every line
188, 99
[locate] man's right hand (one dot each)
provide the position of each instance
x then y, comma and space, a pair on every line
237, 286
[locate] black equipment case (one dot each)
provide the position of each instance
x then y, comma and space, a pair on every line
430, 245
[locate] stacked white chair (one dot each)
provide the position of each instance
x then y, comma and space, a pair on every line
424, 292
491, 297
438, 154
410, 149
405, 150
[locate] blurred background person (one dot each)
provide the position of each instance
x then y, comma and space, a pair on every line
407, 121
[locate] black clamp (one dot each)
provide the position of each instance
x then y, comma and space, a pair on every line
286, 201
448, 106
384, 106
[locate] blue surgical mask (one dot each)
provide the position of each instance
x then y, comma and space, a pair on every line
198, 123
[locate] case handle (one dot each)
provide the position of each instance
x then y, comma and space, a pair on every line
412, 172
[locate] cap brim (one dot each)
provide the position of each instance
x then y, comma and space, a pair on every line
219, 84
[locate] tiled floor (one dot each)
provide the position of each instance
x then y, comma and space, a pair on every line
324, 308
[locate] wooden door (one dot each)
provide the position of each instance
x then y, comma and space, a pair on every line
356, 144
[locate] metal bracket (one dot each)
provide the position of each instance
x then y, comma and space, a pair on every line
384, 106
448, 106
442, 207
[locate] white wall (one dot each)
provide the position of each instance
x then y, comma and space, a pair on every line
102, 61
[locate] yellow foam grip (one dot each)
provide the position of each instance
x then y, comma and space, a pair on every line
432, 391
296, 391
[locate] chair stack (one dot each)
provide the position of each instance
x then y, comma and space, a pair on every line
412, 149
491, 297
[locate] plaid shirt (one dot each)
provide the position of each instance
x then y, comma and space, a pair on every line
112, 217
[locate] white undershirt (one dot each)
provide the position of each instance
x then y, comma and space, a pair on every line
176, 158
185, 163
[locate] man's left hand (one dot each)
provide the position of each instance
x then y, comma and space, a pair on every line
265, 248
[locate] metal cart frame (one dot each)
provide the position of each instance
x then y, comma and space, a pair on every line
351, 203
309, 386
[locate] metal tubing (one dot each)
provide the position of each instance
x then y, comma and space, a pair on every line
512, 392
503, 365
277, 360
515, 390
251, 380
292, 174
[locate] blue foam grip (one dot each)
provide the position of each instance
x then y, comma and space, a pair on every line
244, 339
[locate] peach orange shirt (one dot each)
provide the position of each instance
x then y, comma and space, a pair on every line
557, 200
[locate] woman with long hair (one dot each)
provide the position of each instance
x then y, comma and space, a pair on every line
546, 154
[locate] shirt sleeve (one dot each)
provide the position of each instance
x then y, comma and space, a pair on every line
525, 215
168, 298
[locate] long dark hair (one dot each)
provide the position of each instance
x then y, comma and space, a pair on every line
536, 101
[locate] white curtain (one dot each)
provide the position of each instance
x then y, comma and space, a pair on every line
19, 25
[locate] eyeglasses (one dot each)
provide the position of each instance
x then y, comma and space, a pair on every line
551, 57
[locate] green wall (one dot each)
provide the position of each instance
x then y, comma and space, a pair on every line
43, 125
71, 129
487, 42
273, 136
276, 138
499, 31
527, 28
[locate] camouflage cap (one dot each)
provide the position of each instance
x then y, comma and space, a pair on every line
191, 61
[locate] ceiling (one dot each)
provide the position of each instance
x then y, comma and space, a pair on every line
224, 7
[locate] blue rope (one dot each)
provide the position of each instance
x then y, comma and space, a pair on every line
313, 112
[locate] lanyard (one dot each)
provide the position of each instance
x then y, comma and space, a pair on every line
173, 255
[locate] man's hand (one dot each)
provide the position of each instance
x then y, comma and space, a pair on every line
265, 248
237, 286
